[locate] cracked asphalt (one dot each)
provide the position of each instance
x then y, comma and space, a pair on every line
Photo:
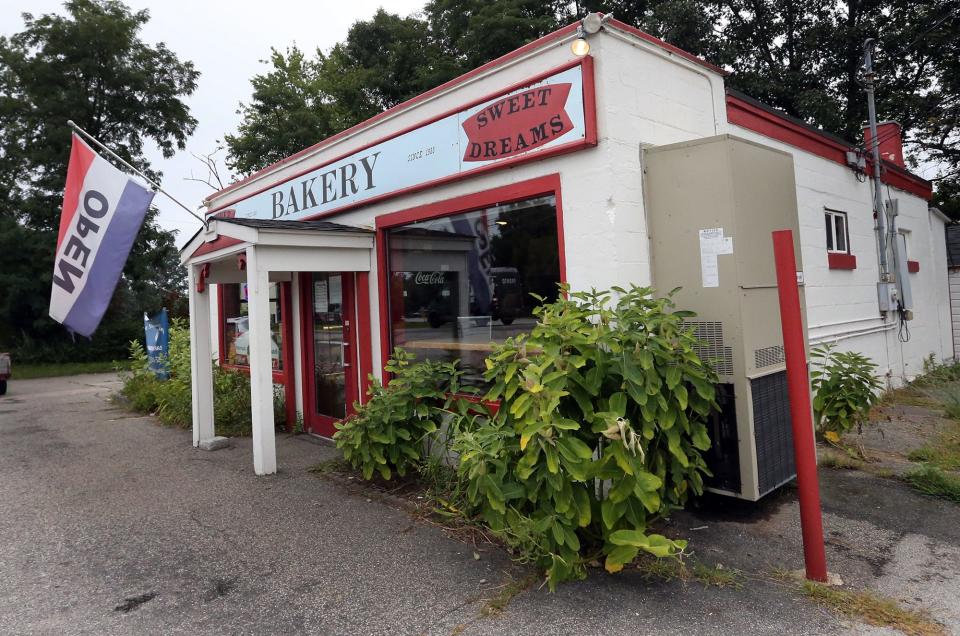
112, 524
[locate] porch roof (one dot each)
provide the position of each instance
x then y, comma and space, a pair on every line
227, 236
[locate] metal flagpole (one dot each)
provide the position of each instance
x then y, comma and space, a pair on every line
155, 185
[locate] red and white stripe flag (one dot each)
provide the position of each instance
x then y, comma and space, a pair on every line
103, 209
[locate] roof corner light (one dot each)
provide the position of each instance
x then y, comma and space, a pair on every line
590, 24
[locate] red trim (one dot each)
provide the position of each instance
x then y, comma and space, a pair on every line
286, 353
549, 184
543, 41
590, 139
759, 120
313, 422
279, 377
913, 266
841, 261
219, 243
364, 333
643, 35
221, 332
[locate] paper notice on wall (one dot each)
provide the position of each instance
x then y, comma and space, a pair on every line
712, 244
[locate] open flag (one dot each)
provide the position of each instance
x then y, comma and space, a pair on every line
103, 209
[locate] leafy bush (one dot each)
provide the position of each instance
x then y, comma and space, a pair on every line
845, 388
172, 399
599, 432
388, 433
936, 374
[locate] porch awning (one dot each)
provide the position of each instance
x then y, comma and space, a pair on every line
282, 246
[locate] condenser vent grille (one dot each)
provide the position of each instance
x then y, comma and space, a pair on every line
768, 356
710, 348
772, 431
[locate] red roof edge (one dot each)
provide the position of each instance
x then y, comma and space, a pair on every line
546, 39
766, 121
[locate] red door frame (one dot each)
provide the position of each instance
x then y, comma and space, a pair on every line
321, 424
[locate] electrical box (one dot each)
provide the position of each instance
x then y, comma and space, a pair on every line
712, 205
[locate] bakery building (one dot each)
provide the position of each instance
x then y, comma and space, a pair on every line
430, 226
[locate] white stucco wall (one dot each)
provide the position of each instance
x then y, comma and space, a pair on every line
647, 96
842, 304
643, 96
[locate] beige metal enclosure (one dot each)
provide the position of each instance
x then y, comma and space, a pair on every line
712, 205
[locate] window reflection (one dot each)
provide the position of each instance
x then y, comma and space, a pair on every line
460, 283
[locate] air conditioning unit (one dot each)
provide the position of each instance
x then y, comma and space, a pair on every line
711, 207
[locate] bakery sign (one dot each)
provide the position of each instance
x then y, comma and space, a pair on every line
546, 115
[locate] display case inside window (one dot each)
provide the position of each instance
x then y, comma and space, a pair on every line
460, 283
236, 326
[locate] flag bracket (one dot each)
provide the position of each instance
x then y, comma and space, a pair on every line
153, 184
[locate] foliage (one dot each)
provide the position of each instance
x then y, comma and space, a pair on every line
171, 399
89, 65
936, 482
387, 435
936, 374
872, 608
801, 58
599, 431
845, 388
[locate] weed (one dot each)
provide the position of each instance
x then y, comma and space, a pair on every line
335, 465
506, 593
840, 462
873, 609
933, 481
673, 569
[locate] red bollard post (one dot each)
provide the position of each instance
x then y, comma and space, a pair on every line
798, 388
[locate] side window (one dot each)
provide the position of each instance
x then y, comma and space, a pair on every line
838, 236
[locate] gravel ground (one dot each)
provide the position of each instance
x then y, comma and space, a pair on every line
112, 524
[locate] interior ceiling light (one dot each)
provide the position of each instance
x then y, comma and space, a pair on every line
501, 222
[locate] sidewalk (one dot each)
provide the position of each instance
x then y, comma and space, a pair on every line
101, 510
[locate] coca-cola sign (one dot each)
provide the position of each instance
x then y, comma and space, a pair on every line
430, 278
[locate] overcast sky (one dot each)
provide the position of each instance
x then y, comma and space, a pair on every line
226, 41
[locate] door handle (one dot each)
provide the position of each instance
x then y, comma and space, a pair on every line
343, 353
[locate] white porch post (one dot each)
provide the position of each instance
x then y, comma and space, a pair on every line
261, 368
201, 360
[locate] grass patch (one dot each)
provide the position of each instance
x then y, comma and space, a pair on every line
506, 593
873, 609
328, 466
840, 462
59, 369
674, 570
933, 481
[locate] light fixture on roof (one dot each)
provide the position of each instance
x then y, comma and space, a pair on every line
590, 24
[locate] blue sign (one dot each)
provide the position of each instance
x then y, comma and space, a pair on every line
157, 330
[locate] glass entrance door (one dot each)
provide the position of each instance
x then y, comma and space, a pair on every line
330, 350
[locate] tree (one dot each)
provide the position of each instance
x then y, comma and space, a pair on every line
288, 113
91, 66
801, 56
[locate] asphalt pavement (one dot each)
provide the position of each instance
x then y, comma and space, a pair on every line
113, 524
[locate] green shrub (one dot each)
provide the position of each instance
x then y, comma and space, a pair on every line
172, 399
599, 432
140, 385
936, 373
388, 433
845, 388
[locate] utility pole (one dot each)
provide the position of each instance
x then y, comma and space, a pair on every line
869, 77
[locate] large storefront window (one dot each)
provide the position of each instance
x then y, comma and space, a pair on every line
460, 283
236, 325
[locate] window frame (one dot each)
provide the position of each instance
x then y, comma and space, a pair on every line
280, 376
833, 215
541, 186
